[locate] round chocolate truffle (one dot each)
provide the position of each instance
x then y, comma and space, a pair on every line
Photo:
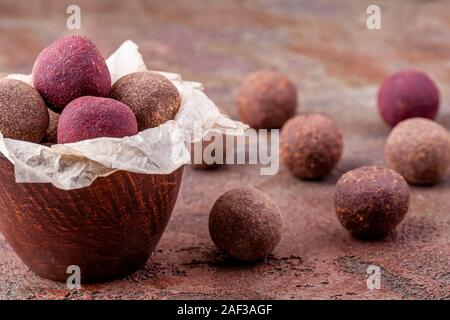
51, 135
69, 68
151, 96
419, 149
371, 201
266, 100
92, 117
407, 94
246, 224
23, 113
310, 146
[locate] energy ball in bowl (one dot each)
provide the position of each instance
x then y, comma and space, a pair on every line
419, 149
69, 68
407, 94
310, 146
371, 201
151, 96
23, 113
246, 224
266, 100
94, 117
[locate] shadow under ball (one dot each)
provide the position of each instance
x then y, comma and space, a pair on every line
108, 229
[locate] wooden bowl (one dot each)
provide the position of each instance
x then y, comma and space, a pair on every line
108, 229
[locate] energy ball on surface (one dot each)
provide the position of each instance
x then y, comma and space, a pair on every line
51, 136
93, 117
310, 146
407, 94
371, 201
246, 224
266, 100
69, 68
151, 96
419, 149
23, 113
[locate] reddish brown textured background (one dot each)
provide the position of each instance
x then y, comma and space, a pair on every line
325, 47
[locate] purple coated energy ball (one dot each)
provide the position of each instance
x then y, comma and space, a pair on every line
93, 117
69, 68
407, 94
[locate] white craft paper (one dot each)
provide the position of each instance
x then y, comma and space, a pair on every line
159, 150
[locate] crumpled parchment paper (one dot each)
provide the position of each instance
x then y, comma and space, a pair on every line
159, 150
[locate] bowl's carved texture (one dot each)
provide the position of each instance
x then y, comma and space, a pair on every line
108, 229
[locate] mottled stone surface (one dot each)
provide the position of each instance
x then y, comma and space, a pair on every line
337, 64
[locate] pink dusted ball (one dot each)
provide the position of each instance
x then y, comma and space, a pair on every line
69, 68
407, 94
92, 117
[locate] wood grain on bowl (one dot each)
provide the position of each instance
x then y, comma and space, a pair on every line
108, 229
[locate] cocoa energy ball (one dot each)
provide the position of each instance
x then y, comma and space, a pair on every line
151, 96
419, 149
69, 68
23, 113
310, 145
93, 117
407, 94
208, 148
371, 201
245, 223
51, 136
266, 100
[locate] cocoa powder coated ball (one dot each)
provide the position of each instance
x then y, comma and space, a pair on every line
69, 68
407, 94
94, 117
310, 146
246, 224
419, 149
51, 136
151, 96
266, 100
371, 201
23, 113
